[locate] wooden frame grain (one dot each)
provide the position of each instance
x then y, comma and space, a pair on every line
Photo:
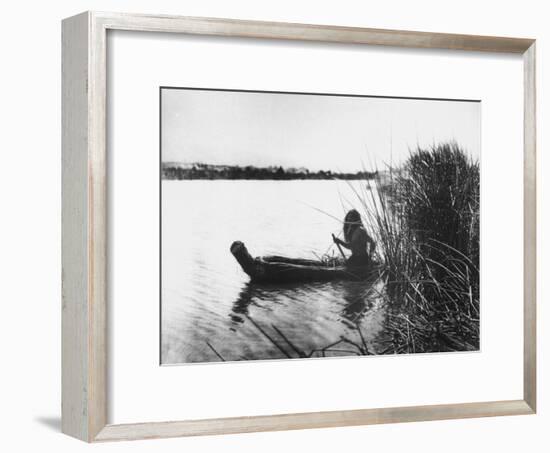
84, 233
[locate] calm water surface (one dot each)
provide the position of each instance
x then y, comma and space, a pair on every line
206, 297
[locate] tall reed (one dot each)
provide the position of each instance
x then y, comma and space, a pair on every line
425, 218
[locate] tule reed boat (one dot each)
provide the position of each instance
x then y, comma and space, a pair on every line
280, 269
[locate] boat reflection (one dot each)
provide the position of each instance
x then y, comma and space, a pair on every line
350, 300
257, 294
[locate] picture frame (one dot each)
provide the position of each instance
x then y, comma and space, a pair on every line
85, 396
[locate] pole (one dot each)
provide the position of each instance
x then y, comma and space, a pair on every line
339, 248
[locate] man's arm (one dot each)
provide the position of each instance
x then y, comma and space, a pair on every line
342, 243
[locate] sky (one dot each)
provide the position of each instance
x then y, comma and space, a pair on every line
317, 132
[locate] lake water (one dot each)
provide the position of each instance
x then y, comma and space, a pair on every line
206, 297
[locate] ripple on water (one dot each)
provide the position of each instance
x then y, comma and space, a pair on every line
207, 298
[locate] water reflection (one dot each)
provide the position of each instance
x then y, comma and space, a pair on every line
263, 295
355, 295
273, 316
351, 300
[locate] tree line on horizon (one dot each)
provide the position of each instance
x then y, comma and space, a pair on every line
205, 171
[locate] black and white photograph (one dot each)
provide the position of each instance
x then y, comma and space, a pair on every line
317, 225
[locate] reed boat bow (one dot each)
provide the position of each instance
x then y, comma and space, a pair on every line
279, 269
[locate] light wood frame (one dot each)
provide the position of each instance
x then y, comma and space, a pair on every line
84, 304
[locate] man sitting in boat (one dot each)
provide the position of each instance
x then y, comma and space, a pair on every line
356, 239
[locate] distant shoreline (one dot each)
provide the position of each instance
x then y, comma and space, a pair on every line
177, 171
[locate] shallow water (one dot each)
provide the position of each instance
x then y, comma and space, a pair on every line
206, 297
